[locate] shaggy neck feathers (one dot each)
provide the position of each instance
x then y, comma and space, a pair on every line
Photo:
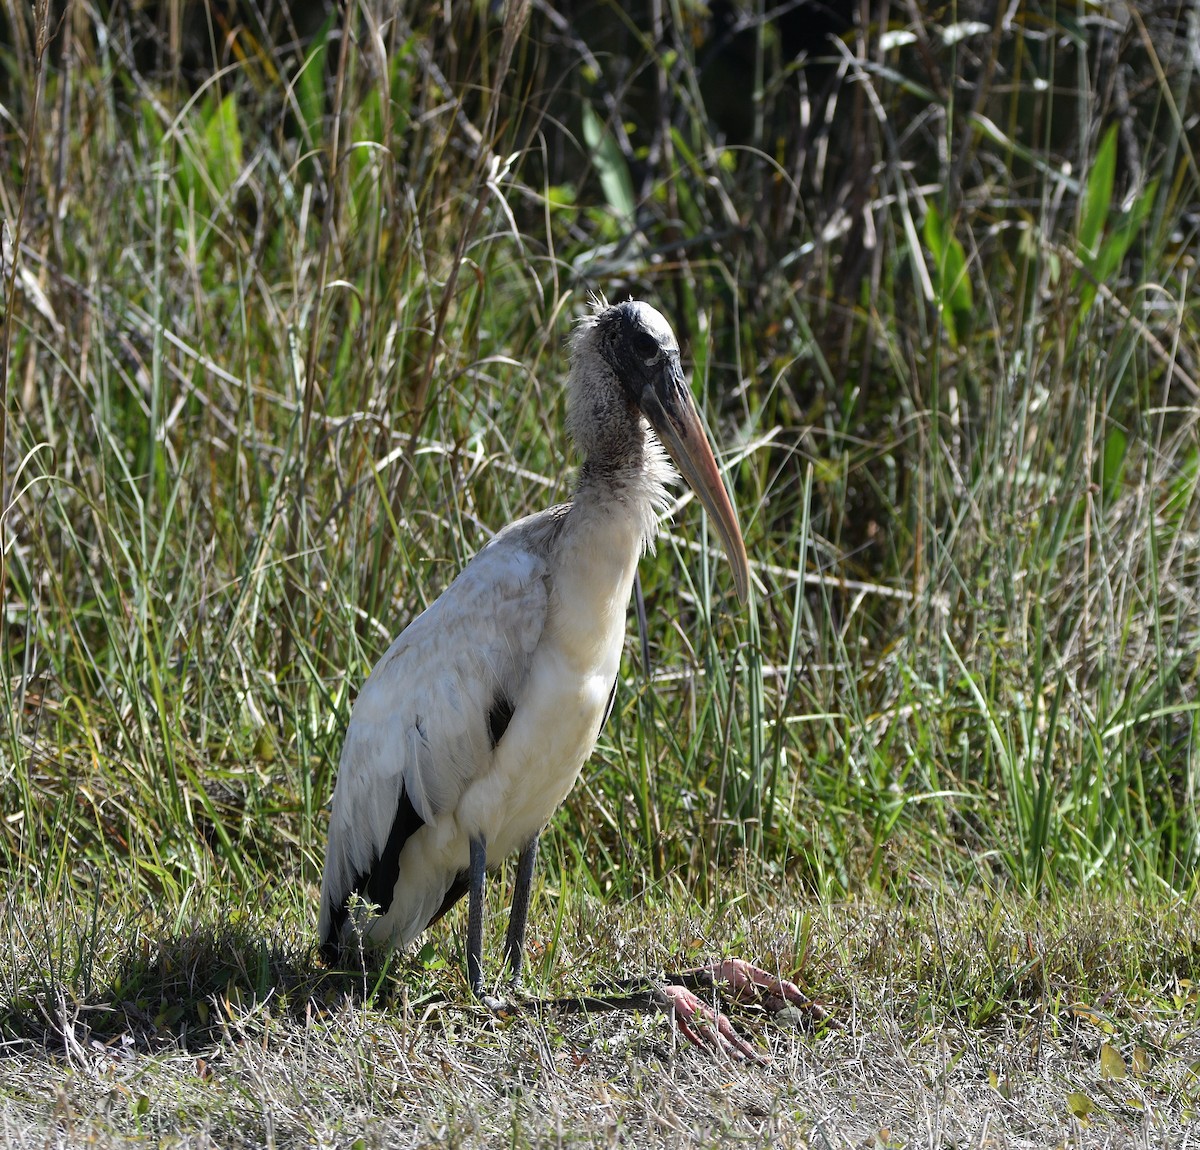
624, 465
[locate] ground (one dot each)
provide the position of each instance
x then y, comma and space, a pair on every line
896, 1063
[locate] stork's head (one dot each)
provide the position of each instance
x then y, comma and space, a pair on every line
637, 345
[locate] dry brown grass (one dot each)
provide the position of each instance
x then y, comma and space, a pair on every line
977, 1023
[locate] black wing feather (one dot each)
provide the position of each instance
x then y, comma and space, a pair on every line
499, 716
378, 885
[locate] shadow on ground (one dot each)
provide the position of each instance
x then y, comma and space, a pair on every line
185, 991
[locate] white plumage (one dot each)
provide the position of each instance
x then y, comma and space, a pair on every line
475, 724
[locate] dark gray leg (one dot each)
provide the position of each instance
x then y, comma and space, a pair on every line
475, 916
514, 940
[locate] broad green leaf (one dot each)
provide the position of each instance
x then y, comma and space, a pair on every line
610, 166
1104, 264
1113, 250
223, 145
1097, 194
949, 270
1112, 1065
310, 86
960, 295
1081, 1106
1115, 445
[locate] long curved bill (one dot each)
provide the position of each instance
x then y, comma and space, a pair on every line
669, 407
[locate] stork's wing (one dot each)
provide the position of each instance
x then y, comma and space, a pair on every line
426, 722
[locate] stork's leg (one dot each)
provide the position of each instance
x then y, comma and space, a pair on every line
514, 940
475, 877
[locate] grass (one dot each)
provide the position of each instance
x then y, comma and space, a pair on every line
283, 345
1051, 1024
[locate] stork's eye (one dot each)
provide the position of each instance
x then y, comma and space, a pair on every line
645, 346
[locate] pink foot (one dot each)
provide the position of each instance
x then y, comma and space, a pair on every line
704, 1027
707, 1028
752, 984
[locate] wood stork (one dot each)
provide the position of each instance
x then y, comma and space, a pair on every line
474, 725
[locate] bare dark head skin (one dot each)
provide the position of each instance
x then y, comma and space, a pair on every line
637, 343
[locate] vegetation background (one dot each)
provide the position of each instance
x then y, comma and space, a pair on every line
285, 294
